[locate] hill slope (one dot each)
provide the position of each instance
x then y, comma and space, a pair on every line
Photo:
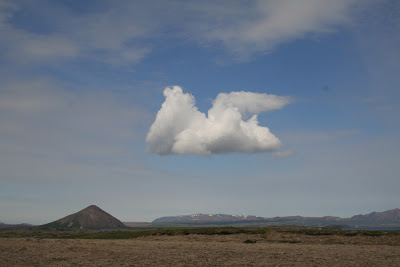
389, 215
91, 217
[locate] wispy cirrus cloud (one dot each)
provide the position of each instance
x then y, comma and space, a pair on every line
113, 35
123, 32
245, 29
285, 154
52, 131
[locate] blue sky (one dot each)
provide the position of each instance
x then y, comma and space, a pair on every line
81, 84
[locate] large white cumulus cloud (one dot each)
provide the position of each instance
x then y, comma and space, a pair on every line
180, 128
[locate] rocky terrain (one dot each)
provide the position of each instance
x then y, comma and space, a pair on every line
272, 249
51, 245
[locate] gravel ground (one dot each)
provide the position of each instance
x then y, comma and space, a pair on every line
197, 250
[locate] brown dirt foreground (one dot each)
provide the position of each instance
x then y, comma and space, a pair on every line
200, 250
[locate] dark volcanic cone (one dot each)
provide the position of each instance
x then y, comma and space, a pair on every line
92, 217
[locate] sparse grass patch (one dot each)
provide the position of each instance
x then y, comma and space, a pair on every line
110, 235
135, 233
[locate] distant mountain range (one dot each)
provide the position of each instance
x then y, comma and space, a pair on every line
205, 218
91, 217
21, 225
389, 215
389, 218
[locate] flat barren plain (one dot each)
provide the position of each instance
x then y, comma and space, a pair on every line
270, 249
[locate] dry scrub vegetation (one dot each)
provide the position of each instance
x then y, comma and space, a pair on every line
161, 248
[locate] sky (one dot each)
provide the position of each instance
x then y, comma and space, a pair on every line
159, 108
